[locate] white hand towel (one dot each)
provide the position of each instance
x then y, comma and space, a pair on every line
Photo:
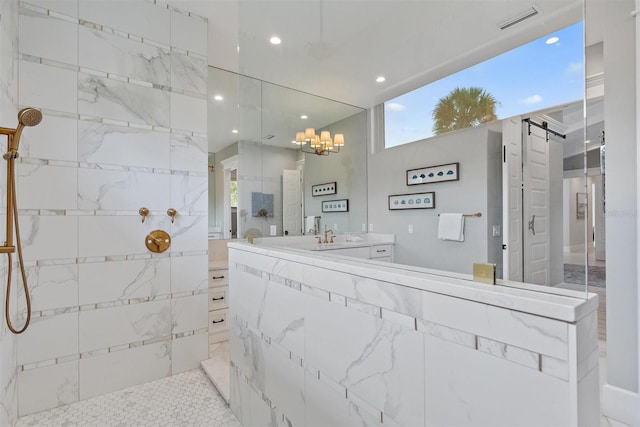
451, 227
310, 223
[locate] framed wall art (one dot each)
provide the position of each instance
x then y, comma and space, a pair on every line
341, 205
430, 174
261, 204
324, 189
581, 205
412, 201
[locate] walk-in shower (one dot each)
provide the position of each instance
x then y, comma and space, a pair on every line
26, 117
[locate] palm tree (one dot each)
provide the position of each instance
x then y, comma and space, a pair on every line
462, 108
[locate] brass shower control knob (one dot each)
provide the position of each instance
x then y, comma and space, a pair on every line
158, 241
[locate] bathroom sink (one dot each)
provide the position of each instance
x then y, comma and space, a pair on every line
327, 246
315, 246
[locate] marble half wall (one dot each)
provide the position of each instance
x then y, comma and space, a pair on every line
320, 341
122, 87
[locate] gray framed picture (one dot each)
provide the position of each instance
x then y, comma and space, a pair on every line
581, 205
412, 201
324, 189
341, 205
431, 174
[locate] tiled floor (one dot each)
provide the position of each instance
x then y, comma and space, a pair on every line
186, 399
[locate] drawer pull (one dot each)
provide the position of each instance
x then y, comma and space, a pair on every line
217, 321
218, 277
381, 250
217, 299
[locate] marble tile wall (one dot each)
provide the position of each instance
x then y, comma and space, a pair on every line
8, 110
123, 96
304, 339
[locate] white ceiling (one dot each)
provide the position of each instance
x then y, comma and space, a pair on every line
267, 110
337, 48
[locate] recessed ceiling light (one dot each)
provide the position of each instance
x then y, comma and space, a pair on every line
234, 131
380, 79
552, 40
304, 117
218, 98
275, 40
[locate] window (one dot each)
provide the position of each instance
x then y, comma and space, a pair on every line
234, 193
497, 88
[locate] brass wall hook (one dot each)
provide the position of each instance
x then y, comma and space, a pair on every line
143, 213
172, 213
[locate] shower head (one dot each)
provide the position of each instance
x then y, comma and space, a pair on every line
26, 117
29, 116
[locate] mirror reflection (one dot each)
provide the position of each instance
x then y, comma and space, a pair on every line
265, 174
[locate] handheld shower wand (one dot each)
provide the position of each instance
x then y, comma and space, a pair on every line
26, 117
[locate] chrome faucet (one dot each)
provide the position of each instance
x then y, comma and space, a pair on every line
325, 234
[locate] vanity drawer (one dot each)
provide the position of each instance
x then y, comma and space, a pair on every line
381, 251
216, 338
354, 252
218, 278
218, 321
218, 298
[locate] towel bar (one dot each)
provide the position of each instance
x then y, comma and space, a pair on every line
477, 214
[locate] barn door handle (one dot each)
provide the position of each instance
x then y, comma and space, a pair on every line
532, 225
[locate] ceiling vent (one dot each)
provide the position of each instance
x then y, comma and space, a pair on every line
531, 12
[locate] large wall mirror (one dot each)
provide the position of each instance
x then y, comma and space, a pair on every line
544, 233
265, 183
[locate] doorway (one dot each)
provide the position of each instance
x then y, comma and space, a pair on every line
230, 198
532, 200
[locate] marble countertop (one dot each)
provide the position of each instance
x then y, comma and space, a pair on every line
309, 243
561, 304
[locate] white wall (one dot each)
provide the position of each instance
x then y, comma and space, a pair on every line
260, 170
349, 169
124, 100
8, 110
475, 149
620, 397
494, 199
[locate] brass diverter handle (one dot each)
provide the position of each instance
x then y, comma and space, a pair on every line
158, 241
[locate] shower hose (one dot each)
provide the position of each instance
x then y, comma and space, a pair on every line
12, 185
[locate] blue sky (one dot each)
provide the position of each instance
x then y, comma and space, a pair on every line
528, 78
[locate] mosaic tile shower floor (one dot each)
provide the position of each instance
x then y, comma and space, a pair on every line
186, 399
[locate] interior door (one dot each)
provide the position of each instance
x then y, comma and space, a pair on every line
512, 199
536, 236
291, 203
599, 219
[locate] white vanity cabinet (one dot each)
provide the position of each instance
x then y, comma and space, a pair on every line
381, 252
218, 292
218, 305
375, 252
